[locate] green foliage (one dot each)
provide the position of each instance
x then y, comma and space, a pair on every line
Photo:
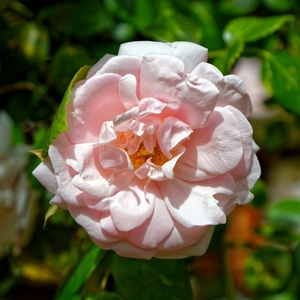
155, 279
59, 123
71, 288
42, 46
251, 29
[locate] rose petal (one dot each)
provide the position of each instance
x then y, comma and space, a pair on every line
92, 178
129, 208
128, 90
199, 248
191, 204
58, 153
114, 158
44, 173
234, 93
170, 133
158, 226
91, 104
96, 67
191, 54
215, 149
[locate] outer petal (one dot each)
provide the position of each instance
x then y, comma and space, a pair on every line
191, 54
199, 248
191, 204
96, 67
58, 153
212, 150
91, 104
163, 77
44, 173
129, 208
92, 178
234, 93
158, 226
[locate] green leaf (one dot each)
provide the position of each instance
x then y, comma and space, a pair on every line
77, 278
268, 270
59, 123
151, 279
53, 209
251, 29
67, 60
286, 210
225, 62
282, 75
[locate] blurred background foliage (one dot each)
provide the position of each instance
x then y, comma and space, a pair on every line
256, 255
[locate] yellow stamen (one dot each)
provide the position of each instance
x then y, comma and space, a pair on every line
140, 157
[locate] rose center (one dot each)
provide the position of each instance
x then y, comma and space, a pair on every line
140, 157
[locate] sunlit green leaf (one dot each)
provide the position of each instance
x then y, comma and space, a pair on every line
278, 5
59, 123
233, 51
53, 209
77, 278
238, 7
287, 210
251, 29
151, 279
268, 270
282, 75
67, 60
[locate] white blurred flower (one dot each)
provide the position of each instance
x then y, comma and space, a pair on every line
16, 206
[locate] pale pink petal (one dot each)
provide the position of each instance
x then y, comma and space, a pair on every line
191, 54
122, 65
58, 153
129, 208
114, 158
198, 97
171, 132
209, 72
215, 149
44, 173
92, 178
89, 219
58, 201
199, 248
158, 226
181, 237
168, 167
91, 104
128, 90
107, 133
191, 204
159, 76
234, 93
150, 106
96, 67
124, 248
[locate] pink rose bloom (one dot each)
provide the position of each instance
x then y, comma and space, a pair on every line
158, 151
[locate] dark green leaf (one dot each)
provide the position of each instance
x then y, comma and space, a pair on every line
251, 29
77, 278
278, 5
268, 270
67, 60
225, 62
59, 123
151, 279
282, 75
238, 7
286, 210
